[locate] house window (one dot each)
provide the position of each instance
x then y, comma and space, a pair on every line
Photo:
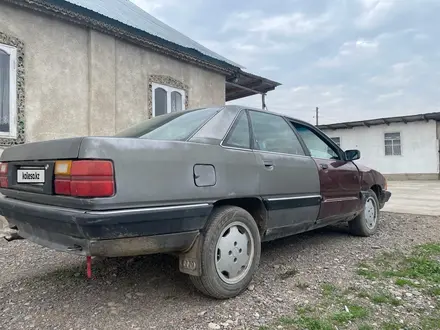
392, 144
337, 140
8, 91
167, 99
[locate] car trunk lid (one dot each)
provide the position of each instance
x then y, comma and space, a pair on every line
31, 166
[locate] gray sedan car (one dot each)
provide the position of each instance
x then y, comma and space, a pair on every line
206, 184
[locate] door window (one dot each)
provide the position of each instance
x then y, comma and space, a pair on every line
317, 146
239, 136
273, 133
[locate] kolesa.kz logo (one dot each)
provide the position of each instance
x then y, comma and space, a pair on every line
30, 176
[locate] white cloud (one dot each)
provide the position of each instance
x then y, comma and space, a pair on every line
290, 24
400, 74
387, 96
374, 12
350, 51
270, 68
247, 50
421, 37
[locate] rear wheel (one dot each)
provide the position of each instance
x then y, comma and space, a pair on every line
230, 253
366, 223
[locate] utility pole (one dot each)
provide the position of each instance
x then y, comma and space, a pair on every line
316, 115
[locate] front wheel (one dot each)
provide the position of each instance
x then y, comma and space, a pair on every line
231, 251
366, 223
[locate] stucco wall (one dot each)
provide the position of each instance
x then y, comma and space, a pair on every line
419, 147
82, 82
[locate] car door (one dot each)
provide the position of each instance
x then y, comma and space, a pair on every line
339, 179
288, 179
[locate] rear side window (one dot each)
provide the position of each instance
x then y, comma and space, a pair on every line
177, 126
273, 133
239, 136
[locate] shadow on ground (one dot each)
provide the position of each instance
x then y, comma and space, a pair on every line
152, 274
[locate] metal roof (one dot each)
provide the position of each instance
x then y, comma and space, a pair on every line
383, 121
126, 12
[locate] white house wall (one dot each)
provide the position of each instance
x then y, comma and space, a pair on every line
419, 143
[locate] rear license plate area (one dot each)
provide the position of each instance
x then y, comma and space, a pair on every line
31, 175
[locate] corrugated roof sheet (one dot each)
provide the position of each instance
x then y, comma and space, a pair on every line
126, 12
382, 121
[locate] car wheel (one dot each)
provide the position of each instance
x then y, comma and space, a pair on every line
366, 223
230, 253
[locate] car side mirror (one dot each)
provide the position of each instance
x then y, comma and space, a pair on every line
352, 154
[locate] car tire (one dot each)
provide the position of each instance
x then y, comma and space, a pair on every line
230, 253
366, 223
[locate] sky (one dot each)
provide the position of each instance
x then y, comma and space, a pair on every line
354, 59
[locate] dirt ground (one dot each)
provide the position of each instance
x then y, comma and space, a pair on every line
42, 289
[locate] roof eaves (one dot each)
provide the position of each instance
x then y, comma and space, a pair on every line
383, 121
83, 16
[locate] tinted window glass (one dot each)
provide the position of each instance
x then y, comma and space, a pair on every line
177, 126
273, 133
4, 91
160, 102
318, 147
239, 136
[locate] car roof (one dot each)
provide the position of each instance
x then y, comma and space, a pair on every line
238, 108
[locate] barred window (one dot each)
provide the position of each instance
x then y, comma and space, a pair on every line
392, 144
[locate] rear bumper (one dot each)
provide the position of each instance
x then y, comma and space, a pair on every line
112, 233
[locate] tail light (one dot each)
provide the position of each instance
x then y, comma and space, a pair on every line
4, 175
84, 178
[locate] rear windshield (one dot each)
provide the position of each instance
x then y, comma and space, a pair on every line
177, 126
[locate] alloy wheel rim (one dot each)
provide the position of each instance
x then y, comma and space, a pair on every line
234, 252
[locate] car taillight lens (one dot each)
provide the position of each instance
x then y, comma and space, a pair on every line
4, 175
84, 178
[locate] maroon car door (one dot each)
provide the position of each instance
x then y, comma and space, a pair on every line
339, 179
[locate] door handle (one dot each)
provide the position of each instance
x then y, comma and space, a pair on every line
268, 164
324, 166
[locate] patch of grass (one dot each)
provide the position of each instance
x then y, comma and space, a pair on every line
430, 323
429, 249
355, 312
365, 327
287, 320
404, 281
435, 291
384, 298
363, 294
391, 326
312, 323
263, 327
419, 265
368, 273
305, 310
328, 289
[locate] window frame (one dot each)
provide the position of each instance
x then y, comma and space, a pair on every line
12, 52
301, 142
232, 130
392, 144
321, 135
339, 139
168, 90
